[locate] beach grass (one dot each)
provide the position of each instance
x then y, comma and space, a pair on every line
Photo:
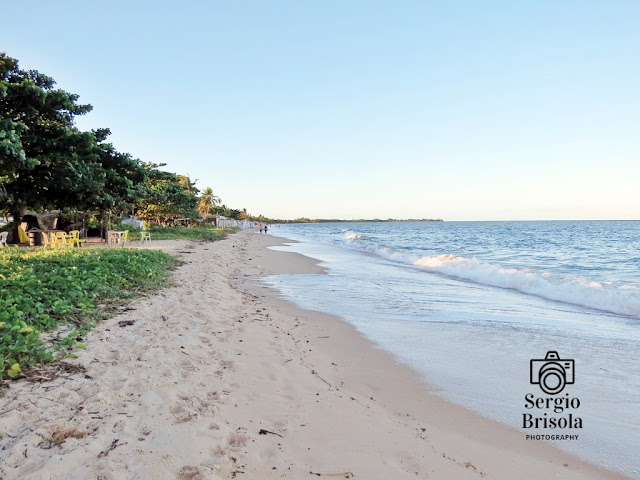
189, 233
42, 290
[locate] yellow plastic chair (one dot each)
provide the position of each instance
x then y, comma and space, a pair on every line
22, 235
60, 240
46, 241
53, 240
124, 238
74, 238
76, 241
145, 237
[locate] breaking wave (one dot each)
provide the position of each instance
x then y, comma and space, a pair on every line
349, 235
623, 300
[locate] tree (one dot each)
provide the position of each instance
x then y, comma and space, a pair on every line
168, 196
46, 162
125, 177
207, 201
235, 214
38, 137
12, 154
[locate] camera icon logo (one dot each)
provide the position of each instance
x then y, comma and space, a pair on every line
552, 373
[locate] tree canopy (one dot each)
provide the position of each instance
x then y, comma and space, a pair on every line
168, 195
47, 162
207, 201
38, 134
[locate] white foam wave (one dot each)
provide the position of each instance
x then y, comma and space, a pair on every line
624, 300
580, 291
350, 235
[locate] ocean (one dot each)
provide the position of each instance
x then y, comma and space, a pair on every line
478, 308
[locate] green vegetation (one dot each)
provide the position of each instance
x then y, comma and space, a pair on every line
47, 163
194, 233
167, 196
197, 232
43, 289
207, 201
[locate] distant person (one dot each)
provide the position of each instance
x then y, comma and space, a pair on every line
261, 229
265, 229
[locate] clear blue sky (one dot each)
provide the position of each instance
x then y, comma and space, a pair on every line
461, 110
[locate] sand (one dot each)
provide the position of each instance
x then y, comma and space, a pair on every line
218, 378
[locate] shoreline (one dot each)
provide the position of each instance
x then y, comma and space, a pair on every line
218, 358
457, 428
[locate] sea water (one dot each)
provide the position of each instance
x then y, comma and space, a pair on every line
468, 305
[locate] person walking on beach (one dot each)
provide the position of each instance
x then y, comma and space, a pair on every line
265, 229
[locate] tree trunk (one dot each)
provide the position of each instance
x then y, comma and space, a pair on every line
17, 213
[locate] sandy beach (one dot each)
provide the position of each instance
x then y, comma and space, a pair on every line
216, 377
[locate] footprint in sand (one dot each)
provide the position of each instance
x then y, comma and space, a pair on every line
188, 366
189, 407
190, 472
237, 440
218, 453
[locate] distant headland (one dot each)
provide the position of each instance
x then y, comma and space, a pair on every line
371, 220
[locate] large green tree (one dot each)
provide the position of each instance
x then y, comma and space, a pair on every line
125, 179
46, 162
168, 196
39, 139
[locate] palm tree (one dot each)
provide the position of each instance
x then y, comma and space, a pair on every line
206, 201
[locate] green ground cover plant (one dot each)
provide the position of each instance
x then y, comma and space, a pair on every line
43, 289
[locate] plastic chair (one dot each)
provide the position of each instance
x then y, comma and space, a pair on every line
145, 237
76, 241
22, 235
53, 240
113, 237
60, 240
3, 239
46, 241
125, 237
